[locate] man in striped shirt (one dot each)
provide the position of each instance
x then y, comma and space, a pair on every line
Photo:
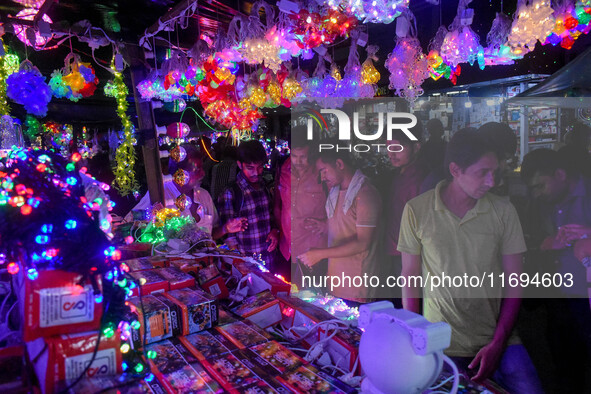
248, 197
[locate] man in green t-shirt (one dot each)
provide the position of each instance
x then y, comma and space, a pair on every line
459, 230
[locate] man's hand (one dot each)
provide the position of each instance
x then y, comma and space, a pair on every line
311, 257
487, 360
573, 232
316, 226
553, 243
583, 249
273, 237
236, 225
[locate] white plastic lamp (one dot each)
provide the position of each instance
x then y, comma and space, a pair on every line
401, 351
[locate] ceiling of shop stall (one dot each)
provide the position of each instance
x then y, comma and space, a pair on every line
128, 20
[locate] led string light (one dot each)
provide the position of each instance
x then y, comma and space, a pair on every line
125, 180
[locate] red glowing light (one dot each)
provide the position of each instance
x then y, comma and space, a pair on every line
13, 268
52, 252
26, 209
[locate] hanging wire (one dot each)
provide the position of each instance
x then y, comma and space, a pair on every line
155, 58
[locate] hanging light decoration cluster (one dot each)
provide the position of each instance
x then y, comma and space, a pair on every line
125, 180
461, 44
371, 11
572, 20
76, 80
407, 63
534, 21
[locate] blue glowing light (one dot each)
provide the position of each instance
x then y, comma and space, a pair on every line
42, 239
32, 273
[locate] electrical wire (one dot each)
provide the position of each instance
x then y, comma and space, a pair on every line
203, 120
449, 361
335, 368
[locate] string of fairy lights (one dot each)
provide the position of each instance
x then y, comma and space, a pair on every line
125, 156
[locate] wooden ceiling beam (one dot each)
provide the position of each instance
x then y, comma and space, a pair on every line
174, 12
43, 10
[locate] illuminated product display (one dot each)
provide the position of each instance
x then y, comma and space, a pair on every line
182, 312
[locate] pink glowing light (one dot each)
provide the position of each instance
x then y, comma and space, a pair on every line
30, 3
20, 30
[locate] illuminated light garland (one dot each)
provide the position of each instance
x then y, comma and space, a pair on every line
408, 68
75, 81
370, 75
312, 29
285, 41
371, 11
461, 44
125, 181
496, 52
533, 22
571, 22
7, 67
259, 51
168, 223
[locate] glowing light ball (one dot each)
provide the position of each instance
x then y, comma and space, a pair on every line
178, 153
21, 31
181, 177
183, 202
178, 130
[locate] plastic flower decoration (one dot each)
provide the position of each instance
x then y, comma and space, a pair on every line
75, 81
28, 87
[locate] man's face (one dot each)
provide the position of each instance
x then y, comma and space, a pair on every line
478, 178
329, 173
402, 158
299, 159
252, 171
549, 188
